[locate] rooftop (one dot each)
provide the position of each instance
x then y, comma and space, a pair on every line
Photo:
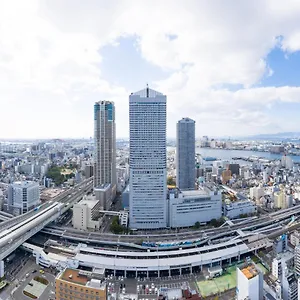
76, 277
249, 271
91, 202
147, 93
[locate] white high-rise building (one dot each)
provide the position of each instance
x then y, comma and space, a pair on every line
147, 160
105, 146
23, 196
249, 282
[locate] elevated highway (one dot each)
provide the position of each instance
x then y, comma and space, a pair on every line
15, 231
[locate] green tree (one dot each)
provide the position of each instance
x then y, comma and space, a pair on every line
171, 181
197, 225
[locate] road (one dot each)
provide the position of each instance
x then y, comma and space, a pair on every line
15, 290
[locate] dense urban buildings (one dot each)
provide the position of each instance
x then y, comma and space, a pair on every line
185, 154
105, 147
23, 196
147, 160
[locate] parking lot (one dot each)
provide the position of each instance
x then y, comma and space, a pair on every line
147, 288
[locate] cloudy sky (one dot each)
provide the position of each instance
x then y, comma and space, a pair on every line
233, 66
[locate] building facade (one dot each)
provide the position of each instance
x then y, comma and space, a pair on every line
147, 160
79, 284
188, 207
249, 282
86, 214
185, 154
105, 145
23, 196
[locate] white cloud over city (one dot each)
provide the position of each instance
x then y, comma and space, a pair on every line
51, 63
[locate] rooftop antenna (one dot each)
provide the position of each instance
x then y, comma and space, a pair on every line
147, 91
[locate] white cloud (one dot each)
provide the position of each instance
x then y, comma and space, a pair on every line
50, 62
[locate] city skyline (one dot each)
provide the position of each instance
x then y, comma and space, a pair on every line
219, 63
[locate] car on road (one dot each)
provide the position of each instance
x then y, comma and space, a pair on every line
34, 271
42, 271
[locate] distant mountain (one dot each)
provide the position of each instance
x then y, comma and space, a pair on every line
276, 136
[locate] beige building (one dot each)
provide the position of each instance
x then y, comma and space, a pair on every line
77, 284
295, 238
86, 214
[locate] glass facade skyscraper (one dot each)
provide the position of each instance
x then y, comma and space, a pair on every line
185, 154
147, 160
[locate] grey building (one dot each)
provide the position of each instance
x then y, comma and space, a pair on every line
105, 145
185, 154
23, 196
147, 160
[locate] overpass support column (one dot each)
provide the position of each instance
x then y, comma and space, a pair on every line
2, 268
191, 270
158, 273
230, 260
169, 272
125, 274
147, 274
180, 271
114, 272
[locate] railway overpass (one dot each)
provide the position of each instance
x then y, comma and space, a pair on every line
15, 231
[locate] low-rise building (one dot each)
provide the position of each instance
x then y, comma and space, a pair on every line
86, 213
188, 207
123, 217
79, 284
104, 193
235, 209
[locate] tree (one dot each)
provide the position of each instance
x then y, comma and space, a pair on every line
197, 225
171, 181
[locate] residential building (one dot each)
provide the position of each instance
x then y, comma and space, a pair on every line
226, 176
256, 193
79, 284
105, 145
185, 154
188, 207
147, 160
295, 239
23, 196
249, 282
297, 259
86, 213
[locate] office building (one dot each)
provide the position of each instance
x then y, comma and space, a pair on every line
79, 284
188, 207
147, 160
23, 196
249, 282
236, 209
105, 145
185, 154
86, 213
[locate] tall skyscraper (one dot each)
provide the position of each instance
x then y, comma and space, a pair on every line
105, 145
185, 154
147, 160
